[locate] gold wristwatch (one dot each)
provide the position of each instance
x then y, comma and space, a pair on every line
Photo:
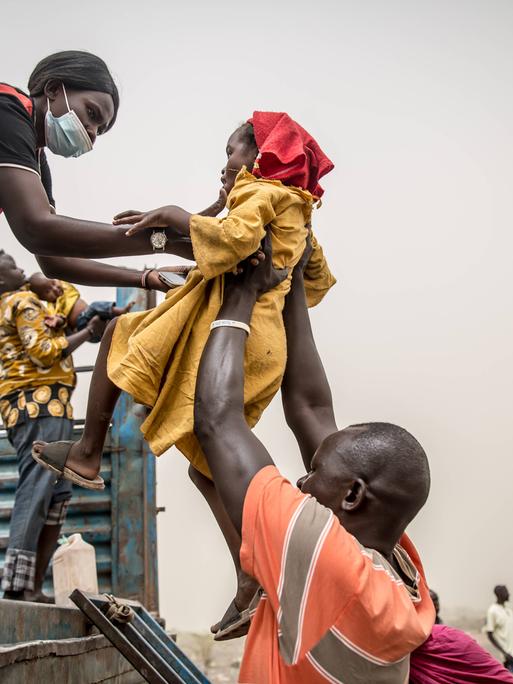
158, 240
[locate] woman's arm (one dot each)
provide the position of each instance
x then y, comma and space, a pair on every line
219, 243
28, 212
88, 272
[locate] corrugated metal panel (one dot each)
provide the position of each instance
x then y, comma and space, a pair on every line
89, 512
119, 521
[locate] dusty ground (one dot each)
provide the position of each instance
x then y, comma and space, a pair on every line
219, 661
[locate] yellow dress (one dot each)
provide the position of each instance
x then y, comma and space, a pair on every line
155, 354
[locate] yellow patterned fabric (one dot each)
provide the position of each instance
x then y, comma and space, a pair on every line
23, 405
31, 359
155, 354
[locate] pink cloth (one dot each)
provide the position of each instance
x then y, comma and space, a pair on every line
450, 656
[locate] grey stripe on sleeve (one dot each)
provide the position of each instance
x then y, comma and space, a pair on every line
341, 663
306, 538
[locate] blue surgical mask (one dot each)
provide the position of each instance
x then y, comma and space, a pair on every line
66, 135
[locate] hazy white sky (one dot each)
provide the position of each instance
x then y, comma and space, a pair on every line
413, 101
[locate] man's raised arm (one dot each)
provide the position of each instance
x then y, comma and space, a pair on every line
233, 452
306, 393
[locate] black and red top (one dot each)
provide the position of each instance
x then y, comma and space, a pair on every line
18, 136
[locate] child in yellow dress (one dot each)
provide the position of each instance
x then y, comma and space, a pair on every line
154, 355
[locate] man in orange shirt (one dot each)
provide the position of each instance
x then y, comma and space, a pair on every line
344, 597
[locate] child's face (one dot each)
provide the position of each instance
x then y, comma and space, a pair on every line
239, 154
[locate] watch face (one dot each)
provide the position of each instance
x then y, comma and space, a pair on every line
158, 239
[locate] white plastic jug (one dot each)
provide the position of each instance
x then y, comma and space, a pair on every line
74, 567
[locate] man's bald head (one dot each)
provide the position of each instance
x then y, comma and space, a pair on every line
374, 476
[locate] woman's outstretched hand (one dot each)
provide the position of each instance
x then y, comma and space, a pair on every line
163, 217
140, 220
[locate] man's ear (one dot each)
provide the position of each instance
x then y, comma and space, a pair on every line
52, 89
355, 496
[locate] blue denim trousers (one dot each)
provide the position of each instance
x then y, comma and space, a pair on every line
101, 309
38, 494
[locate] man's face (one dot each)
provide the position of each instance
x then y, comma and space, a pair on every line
11, 277
239, 154
331, 476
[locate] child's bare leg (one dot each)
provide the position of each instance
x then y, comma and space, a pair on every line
246, 585
85, 456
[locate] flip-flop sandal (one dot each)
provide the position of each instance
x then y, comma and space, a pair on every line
235, 623
53, 456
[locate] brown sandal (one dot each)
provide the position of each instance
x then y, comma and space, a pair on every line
236, 623
53, 456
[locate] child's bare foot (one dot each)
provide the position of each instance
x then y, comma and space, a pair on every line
120, 310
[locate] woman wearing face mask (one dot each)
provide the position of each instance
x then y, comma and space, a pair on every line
72, 99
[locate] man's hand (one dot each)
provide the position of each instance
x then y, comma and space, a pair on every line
257, 273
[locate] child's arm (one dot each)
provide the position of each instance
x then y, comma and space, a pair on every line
317, 277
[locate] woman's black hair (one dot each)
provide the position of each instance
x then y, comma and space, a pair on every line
247, 135
78, 70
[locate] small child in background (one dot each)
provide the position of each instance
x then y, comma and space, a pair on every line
66, 307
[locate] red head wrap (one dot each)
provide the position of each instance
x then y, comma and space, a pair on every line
288, 153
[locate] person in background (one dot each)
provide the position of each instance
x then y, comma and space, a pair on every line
37, 379
499, 625
66, 307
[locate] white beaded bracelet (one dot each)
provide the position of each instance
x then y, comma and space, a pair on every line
224, 323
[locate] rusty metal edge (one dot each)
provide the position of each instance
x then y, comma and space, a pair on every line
119, 640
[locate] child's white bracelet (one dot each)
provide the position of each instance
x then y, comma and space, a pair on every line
224, 323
